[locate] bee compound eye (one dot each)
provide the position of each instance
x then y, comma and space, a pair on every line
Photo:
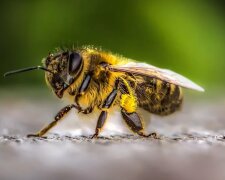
75, 63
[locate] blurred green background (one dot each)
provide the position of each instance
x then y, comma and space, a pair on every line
185, 36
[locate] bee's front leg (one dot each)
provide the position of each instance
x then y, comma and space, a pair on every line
82, 89
88, 110
58, 117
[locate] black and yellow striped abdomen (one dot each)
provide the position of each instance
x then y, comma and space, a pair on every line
157, 96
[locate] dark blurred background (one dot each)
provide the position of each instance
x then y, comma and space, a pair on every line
185, 36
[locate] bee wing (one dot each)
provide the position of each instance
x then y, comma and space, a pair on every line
155, 72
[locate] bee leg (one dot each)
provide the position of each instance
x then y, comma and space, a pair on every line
136, 125
82, 89
106, 105
101, 121
58, 117
87, 110
128, 104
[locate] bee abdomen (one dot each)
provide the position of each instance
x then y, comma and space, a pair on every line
171, 101
159, 97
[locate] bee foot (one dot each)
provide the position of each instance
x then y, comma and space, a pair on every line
153, 135
94, 136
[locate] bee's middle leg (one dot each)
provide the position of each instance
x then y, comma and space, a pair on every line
104, 114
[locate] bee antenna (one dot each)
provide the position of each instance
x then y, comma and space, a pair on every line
27, 69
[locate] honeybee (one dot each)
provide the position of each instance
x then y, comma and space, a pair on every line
94, 79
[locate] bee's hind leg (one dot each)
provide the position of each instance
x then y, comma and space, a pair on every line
58, 117
128, 104
135, 124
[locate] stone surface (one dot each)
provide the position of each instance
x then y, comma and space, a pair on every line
192, 146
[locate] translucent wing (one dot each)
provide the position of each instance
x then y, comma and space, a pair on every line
152, 71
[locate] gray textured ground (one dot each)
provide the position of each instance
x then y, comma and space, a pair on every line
192, 146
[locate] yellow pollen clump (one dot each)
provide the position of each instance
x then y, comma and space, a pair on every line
128, 103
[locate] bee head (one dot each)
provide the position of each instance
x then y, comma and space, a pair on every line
61, 69
66, 67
